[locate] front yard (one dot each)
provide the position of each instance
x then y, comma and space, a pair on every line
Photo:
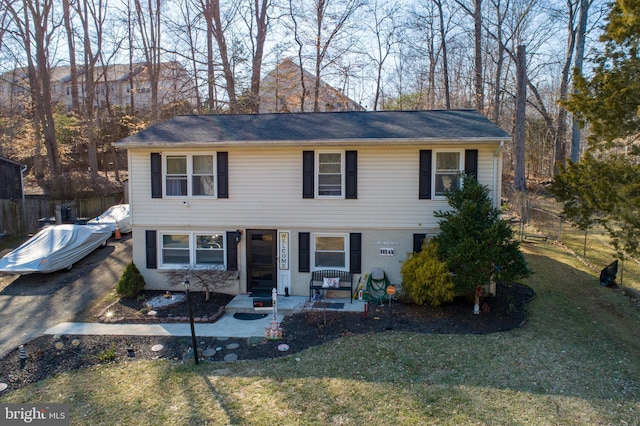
576, 361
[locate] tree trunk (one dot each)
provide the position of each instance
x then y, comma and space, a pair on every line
519, 181
212, 13
477, 34
580, 42
90, 86
561, 120
73, 68
445, 64
261, 36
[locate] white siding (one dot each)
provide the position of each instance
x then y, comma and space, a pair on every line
265, 192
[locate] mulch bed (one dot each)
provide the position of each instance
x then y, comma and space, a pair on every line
50, 355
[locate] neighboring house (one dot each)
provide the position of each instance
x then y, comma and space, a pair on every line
276, 196
117, 84
11, 185
281, 91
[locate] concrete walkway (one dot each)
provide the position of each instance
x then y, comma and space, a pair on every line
226, 326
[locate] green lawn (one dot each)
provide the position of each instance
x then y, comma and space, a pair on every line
576, 362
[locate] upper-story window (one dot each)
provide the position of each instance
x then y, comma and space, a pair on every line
190, 175
330, 174
448, 169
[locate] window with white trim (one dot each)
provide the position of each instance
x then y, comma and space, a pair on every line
448, 169
192, 249
330, 251
189, 175
330, 174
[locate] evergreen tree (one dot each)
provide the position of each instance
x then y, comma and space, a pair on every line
475, 242
609, 100
607, 183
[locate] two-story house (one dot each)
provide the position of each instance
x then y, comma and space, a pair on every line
276, 196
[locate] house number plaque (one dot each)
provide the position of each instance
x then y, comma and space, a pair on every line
283, 250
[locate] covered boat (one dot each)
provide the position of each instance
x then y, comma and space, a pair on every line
118, 214
54, 248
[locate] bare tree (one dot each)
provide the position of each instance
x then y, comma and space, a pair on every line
261, 20
73, 69
211, 10
35, 25
385, 29
445, 60
149, 26
583, 17
519, 136
561, 118
475, 11
92, 15
210, 279
329, 23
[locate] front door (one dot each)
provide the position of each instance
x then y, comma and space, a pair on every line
261, 261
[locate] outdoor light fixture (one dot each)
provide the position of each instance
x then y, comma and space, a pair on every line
187, 286
238, 236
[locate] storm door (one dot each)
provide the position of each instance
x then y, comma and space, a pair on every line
261, 261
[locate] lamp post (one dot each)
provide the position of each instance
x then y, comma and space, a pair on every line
187, 284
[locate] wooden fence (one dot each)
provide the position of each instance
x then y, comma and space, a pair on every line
24, 217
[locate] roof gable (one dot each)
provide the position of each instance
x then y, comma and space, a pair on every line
319, 127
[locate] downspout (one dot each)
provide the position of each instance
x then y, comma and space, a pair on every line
24, 169
497, 175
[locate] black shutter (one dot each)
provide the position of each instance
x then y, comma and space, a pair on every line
156, 175
471, 162
424, 181
223, 174
351, 163
418, 241
304, 252
151, 248
355, 252
232, 251
308, 186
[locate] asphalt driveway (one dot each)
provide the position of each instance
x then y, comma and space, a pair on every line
31, 304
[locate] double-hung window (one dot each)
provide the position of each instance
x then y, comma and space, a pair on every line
330, 175
448, 169
330, 251
190, 175
192, 249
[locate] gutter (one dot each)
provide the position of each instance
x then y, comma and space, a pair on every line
497, 173
24, 169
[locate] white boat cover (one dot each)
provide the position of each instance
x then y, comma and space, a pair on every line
115, 214
54, 248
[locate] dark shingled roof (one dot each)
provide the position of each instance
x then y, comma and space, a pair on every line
464, 125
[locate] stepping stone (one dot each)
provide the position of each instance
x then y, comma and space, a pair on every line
232, 346
223, 339
209, 352
157, 348
3, 386
231, 357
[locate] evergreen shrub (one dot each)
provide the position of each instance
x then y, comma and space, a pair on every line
425, 278
131, 282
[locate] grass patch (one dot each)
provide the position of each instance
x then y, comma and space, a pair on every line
577, 361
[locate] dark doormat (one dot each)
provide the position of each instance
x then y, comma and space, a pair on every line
248, 316
328, 305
